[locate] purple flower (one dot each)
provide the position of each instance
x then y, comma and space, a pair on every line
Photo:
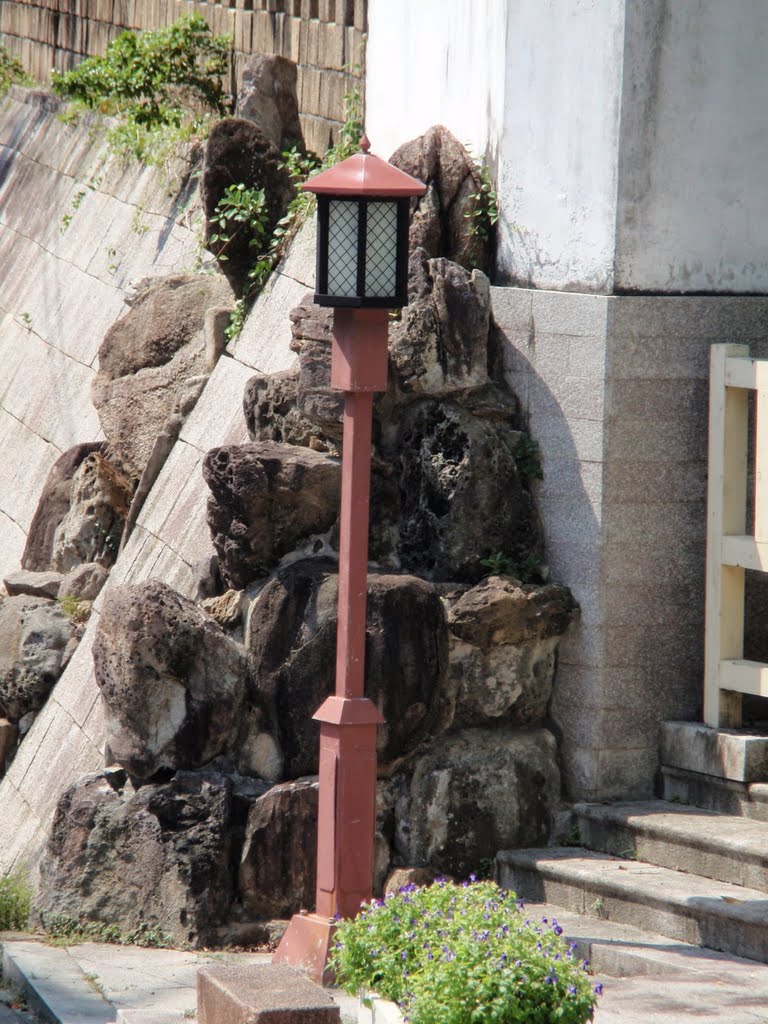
473, 877
598, 990
571, 990
520, 905
584, 965
557, 930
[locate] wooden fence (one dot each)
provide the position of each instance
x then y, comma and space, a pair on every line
730, 549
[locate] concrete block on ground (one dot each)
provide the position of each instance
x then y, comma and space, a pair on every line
264, 994
723, 753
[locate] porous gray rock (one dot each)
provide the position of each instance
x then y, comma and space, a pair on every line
267, 97
153, 364
91, 529
440, 346
461, 497
36, 642
152, 861
266, 499
475, 792
318, 402
291, 642
53, 505
33, 584
84, 582
238, 152
443, 221
278, 867
173, 682
271, 410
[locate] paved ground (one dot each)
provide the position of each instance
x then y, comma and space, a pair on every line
93, 983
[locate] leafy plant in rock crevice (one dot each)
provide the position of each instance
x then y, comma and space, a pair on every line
485, 204
299, 165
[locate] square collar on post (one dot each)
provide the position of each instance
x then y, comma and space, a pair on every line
362, 232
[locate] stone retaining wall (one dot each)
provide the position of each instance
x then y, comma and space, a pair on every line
325, 38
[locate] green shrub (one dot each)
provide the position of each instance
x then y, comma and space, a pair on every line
463, 954
14, 903
11, 72
150, 80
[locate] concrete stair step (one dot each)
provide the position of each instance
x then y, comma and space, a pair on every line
700, 911
622, 951
724, 847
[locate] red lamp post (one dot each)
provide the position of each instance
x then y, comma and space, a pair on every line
362, 271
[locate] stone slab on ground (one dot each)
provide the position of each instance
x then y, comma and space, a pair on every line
724, 753
54, 984
702, 984
269, 994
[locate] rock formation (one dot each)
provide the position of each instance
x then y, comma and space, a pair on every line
205, 821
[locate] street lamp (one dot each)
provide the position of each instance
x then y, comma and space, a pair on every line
362, 272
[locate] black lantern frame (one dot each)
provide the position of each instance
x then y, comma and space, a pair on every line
361, 300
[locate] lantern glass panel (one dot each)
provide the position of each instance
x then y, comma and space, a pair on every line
381, 250
342, 247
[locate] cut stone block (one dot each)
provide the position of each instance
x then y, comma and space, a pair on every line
724, 753
713, 794
268, 994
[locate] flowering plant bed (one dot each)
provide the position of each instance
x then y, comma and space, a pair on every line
463, 954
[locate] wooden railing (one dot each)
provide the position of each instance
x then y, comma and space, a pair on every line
730, 549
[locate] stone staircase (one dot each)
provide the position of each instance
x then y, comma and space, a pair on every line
652, 881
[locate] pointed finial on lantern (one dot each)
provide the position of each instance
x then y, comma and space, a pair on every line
365, 145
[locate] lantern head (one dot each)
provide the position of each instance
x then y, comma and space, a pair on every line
362, 232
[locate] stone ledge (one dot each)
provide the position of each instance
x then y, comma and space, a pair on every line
722, 753
269, 994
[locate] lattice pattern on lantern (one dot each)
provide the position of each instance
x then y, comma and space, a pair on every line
342, 248
381, 250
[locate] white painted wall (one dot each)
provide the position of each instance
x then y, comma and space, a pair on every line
630, 137
559, 150
693, 202
435, 62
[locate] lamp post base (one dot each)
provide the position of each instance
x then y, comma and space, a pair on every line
306, 945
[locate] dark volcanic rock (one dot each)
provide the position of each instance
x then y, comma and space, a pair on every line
318, 402
292, 654
265, 500
268, 98
443, 220
172, 681
153, 861
53, 505
271, 409
475, 792
238, 152
460, 494
36, 642
278, 869
441, 344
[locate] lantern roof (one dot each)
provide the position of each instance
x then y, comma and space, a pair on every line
365, 175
